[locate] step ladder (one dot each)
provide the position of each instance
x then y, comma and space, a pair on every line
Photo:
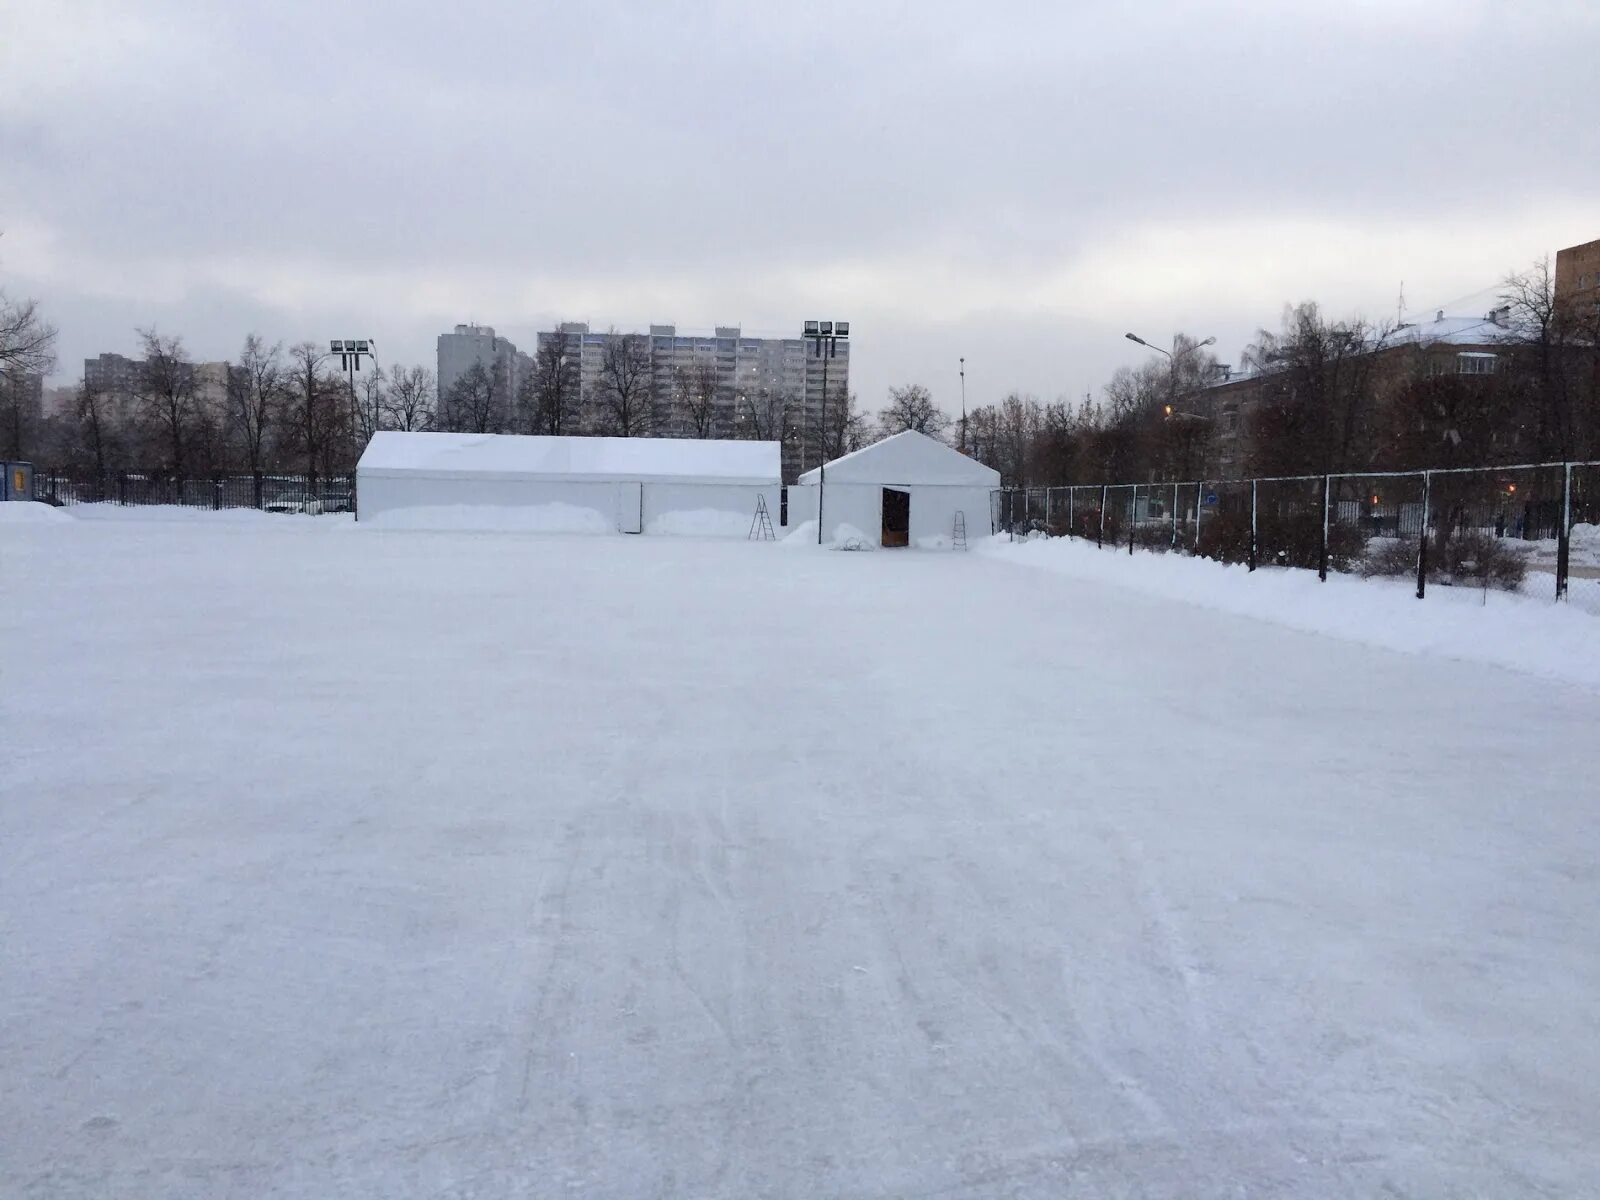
958, 539
761, 523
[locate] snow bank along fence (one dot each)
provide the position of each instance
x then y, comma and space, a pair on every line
302, 493
1453, 525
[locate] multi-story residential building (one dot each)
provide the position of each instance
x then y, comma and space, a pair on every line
477, 345
1578, 273
113, 374
768, 388
1223, 412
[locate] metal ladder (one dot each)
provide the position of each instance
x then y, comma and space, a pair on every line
958, 540
761, 523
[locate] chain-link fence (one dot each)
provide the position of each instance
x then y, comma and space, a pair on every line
1483, 526
269, 491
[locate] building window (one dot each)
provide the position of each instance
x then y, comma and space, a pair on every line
1475, 363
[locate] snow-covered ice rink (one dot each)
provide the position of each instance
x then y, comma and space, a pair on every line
337, 863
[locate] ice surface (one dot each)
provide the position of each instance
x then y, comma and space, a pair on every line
465, 866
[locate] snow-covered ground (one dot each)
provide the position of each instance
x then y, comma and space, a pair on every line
336, 862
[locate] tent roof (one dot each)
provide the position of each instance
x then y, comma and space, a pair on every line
909, 457
503, 455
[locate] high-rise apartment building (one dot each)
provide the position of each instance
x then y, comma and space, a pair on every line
477, 346
768, 388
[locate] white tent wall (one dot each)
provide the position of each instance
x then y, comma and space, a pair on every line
588, 485
933, 510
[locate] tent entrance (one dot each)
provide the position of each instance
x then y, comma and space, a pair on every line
896, 518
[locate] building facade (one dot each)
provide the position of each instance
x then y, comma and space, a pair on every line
478, 346
765, 388
1578, 274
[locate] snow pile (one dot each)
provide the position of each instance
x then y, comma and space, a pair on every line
554, 517
1522, 632
26, 512
1583, 545
702, 522
110, 511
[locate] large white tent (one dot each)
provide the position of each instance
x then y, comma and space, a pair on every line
904, 490
566, 484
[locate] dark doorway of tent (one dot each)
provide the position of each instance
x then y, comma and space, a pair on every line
896, 518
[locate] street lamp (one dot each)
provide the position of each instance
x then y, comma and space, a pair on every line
824, 336
1172, 378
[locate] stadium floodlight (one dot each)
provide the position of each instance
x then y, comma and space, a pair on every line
824, 334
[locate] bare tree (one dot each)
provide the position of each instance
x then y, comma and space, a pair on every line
313, 407
96, 425
625, 386
695, 389
1561, 346
258, 395
477, 402
912, 408
27, 340
844, 428
372, 388
550, 396
167, 393
410, 398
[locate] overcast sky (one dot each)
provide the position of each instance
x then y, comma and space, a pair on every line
1016, 183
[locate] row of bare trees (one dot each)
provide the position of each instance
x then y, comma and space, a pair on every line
271, 408
1321, 396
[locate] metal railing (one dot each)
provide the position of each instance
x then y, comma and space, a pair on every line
277, 491
1361, 520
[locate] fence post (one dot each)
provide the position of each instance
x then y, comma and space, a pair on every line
1174, 515
1072, 510
1564, 536
257, 488
122, 487
216, 492
1133, 517
1199, 503
1322, 547
1422, 548
1252, 524
1100, 541
1049, 507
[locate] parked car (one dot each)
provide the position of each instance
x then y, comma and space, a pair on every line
309, 505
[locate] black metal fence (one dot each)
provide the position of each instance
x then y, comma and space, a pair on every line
273, 491
1377, 523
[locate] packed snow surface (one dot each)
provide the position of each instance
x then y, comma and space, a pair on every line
554, 517
1527, 631
463, 866
705, 522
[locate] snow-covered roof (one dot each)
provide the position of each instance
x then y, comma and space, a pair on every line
1457, 331
505, 455
909, 457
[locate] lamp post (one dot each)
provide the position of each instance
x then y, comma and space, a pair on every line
963, 446
1172, 368
824, 337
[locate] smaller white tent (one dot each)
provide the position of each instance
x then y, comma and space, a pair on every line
904, 490
565, 484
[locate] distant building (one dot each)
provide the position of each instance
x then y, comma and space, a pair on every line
477, 345
767, 388
113, 374
1578, 273
1445, 345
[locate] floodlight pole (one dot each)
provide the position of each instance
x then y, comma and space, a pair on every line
824, 334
